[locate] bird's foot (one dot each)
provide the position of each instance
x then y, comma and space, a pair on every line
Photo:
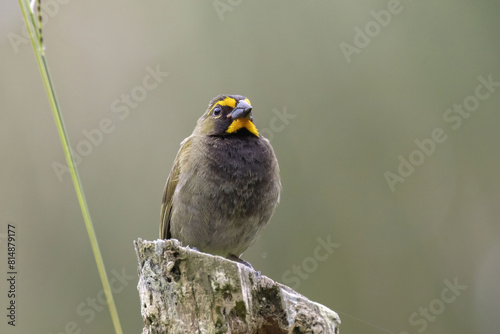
239, 260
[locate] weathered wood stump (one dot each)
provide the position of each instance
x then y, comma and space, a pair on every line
186, 291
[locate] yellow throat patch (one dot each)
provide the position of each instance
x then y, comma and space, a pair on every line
242, 123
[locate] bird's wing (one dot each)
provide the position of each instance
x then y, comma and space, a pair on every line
168, 193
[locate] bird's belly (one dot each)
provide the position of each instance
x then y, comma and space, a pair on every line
220, 216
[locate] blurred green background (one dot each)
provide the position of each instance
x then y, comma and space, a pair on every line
342, 89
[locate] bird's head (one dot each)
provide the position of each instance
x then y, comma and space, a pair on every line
227, 115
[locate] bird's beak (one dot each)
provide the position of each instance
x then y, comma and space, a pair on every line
242, 118
242, 110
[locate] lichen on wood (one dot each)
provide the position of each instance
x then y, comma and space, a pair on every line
186, 291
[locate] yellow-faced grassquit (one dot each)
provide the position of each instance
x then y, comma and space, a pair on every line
225, 183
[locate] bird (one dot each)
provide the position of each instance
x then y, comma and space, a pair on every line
224, 185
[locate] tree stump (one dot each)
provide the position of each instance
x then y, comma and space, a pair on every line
186, 291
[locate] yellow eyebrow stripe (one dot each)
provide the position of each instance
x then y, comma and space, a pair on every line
228, 101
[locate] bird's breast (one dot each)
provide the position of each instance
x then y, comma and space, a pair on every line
226, 194
237, 176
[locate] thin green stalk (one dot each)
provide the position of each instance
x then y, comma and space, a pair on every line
44, 71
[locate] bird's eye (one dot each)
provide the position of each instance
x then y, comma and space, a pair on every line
217, 111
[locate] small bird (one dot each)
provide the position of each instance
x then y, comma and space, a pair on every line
224, 185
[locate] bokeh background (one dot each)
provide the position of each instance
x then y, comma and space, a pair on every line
341, 95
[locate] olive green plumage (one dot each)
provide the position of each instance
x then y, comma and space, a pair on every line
225, 183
